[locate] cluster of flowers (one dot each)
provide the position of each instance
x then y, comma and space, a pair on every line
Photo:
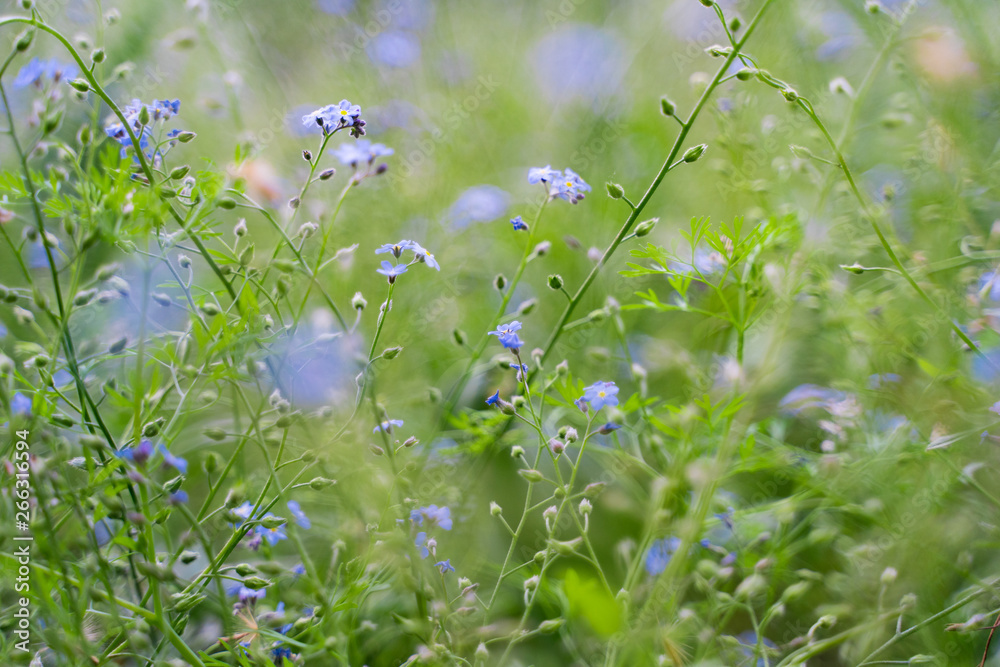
140, 454
37, 71
432, 516
565, 184
420, 254
140, 117
271, 528
335, 117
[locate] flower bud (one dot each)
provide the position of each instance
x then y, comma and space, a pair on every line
667, 108
459, 336
500, 281
746, 73
186, 136
391, 352
526, 307
517, 451
327, 174
320, 483
293, 203
551, 625
227, 203
358, 302
790, 94
615, 191
645, 227
82, 86
555, 281
692, 154
495, 509
531, 475
307, 156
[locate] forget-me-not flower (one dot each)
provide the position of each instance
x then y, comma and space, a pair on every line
36, 70
390, 271
272, 535
300, 517
445, 566
176, 462
519, 224
659, 554
387, 425
335, 117
600, 394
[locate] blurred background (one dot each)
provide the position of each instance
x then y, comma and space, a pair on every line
472, 94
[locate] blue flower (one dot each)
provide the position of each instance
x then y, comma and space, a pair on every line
544, 174
178, 497
445, 566
522, 371
244, 511
176, 462
335, 117
435, 516
519, 224
507, 335
272, 535
421, 543
138, 454
299, 516
569, 187
425, 256
387, 425
36, 70
299, 570
395, 248
600, 394
726, 518
394, 48
390, 271
659, 554
610, 427
495, 398
245, 593
480, 203
361, 151
158, 110
20, 404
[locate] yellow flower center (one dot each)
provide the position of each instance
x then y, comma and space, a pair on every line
601, 394
343, 112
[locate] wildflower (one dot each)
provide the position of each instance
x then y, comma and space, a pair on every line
995, 408
522, 371
272, 535
659, 554
436, 516
244, 511
300, 517
610, 427
360, 152
387, 425
569, 187
507, 334
158, 110
35, 71
390, 271
726, 518
480, 203
425, 256
138, 454
335, 117
245, 593
20, 404
519, 224
600, 394
175, 462
445, 566
421, 543
495, 398
178, 497
395, 248
544, 174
